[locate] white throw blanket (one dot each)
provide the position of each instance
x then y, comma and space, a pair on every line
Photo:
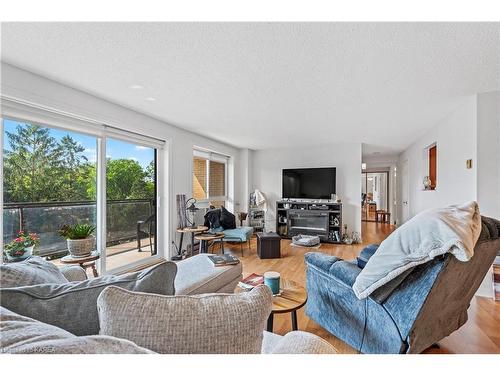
454, 229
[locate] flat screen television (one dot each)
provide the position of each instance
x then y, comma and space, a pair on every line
309, 183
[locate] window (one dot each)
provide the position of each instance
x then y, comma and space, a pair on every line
59, 169
210, 177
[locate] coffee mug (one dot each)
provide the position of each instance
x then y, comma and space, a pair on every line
272, 280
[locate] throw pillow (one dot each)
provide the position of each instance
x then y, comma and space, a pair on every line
227, 219
200, 324
23, 335
72, 306
32, 271
212, 218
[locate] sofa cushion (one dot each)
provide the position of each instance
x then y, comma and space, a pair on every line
32, 271
23, 335
197, 275
365, 255
74, 273
300, 342
227, 219
72, 306
242, 234
202, 324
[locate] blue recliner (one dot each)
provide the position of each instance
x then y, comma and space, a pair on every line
408, 314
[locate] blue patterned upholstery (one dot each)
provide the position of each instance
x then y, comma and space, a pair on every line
405, 316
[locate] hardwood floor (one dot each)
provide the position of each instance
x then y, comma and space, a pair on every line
481, 334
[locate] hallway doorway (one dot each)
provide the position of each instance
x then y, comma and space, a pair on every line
375, 196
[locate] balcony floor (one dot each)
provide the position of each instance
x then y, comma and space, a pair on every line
121, 255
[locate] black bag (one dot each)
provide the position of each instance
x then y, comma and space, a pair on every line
212, 218
227, 219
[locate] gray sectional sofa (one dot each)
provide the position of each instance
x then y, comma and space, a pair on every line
168, 308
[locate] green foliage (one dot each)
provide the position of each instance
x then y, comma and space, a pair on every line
77, 231
37, 168
31, 166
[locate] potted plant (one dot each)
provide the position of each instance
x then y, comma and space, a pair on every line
79, 238
22, 246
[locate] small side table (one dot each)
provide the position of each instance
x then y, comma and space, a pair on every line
293, 297
84, 262
205, 237
268, 245
193, 231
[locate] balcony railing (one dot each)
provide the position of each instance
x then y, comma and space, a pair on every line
46, 218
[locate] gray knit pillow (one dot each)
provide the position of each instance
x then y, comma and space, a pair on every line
201, 324
31, 271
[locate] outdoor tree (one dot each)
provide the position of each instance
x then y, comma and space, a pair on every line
31, 165
74, 171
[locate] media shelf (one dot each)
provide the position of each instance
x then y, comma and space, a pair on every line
313, 218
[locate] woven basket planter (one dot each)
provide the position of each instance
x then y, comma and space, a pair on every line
81, 248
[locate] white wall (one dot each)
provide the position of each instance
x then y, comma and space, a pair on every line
488, 153
346, 157
472, 131
488, 165
455, 137
244, 176
33, 88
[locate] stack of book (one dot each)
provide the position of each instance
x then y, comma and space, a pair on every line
251, 281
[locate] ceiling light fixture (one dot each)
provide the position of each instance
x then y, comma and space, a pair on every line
150, 99
135, 87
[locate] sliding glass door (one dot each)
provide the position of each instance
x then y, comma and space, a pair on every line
100, 176
48, 182
131, 219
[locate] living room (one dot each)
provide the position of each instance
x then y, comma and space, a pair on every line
155, 174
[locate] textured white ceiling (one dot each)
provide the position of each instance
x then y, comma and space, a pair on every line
262, 85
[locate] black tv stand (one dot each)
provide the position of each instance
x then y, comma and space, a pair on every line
320, 218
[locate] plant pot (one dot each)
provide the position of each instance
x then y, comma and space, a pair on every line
81, 248
20, 255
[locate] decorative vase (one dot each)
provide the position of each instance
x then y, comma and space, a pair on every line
20, 254
356, 237
81, 248
427, 183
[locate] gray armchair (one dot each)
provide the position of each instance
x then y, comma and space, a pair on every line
406, 315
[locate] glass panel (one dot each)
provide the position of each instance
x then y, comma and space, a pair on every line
49, 181
217, 179
130, 206
199, 178
309, 222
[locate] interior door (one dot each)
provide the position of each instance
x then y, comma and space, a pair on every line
405, 191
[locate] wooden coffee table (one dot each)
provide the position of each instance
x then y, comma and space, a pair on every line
84, 262
205, 237
293, 297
